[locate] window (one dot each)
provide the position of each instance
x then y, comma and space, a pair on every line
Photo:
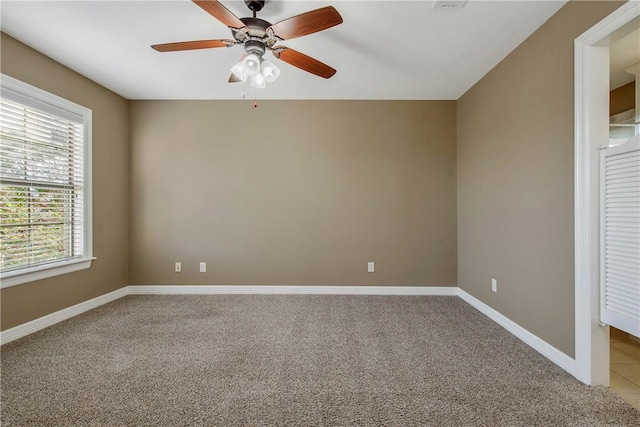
45, 184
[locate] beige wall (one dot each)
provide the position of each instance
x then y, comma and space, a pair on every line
293, 193
515, 179
26, 302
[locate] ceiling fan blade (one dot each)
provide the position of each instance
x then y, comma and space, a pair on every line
307, 23
302, 61
221, 13
192, 45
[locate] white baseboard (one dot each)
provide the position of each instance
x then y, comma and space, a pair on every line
533, 341
64, 314
292, 290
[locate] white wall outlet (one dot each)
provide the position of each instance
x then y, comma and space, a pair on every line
178, 267
494, 285
203, 267
371, 267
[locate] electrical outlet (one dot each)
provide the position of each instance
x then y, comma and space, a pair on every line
203, 267
371, 267
494, 285
178, 267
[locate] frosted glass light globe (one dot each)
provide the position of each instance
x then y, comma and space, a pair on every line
252, 65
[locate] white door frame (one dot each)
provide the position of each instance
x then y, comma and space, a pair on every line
591, 129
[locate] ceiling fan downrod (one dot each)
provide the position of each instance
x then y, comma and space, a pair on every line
254, 5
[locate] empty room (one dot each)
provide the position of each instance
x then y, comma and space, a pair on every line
334, 213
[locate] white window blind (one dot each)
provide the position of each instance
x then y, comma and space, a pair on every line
43, 183
620, 236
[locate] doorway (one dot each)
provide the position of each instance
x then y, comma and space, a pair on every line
592, 50
624, 60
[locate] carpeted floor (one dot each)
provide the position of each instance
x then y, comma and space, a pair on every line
291, 360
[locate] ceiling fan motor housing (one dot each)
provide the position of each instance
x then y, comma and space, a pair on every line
255, 30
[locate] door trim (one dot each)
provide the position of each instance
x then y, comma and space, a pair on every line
590, 49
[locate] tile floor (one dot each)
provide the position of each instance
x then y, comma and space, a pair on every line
625, 367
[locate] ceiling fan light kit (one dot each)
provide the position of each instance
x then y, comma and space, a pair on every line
258, 36
254, 67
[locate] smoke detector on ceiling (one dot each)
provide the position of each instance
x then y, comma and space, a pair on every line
449, 4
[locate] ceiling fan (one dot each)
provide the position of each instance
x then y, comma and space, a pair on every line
257, 36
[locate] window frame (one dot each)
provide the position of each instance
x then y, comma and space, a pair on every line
25, 93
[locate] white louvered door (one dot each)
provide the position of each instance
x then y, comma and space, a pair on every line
620, 236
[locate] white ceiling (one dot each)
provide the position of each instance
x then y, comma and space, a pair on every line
623, 54
383, 50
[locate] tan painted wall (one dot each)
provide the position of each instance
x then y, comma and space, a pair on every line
622, 98
515, 179
28, 301
293, 193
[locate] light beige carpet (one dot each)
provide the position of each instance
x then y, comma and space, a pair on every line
291, 360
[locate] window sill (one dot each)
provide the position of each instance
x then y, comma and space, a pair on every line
26, 275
